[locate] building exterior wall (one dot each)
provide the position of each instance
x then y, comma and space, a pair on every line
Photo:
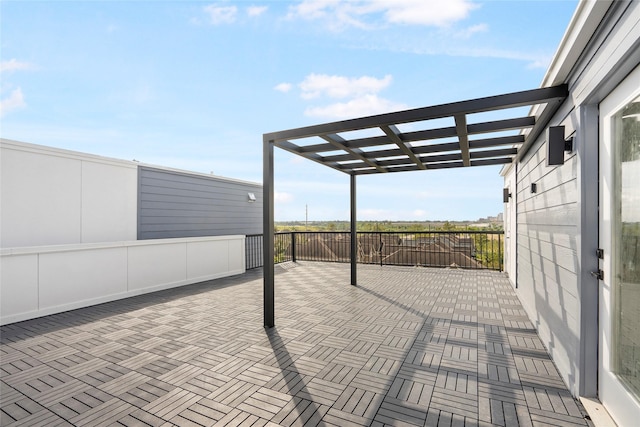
69, 229
557, 228
546, 255
178, 204
55, 197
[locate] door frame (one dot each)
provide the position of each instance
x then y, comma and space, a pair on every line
622, 406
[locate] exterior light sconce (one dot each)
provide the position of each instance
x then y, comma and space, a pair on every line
534, 187
505, 195
251, 197
557, 144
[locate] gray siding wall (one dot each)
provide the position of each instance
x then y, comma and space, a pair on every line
174, 204
557, 227
547, 239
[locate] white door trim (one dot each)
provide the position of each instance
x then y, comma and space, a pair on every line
620, 403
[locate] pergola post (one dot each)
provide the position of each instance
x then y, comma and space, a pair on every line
354, 235
268, 233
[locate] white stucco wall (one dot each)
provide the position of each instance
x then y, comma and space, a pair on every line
50, 196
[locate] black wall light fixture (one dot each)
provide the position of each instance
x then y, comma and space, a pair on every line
557, 145
505, 195
534, 187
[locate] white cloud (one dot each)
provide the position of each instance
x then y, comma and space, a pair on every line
312, 9
221, 14
15, 65
425, 12
283, 87
470, 31
256, 10
419, 213
280, 197
360, 95
375, 13
315, 85
533, 58
15, 101
364, 105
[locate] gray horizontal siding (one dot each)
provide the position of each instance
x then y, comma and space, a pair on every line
554, 237
174, 204
547, 260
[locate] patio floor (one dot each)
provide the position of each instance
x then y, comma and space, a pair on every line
409, 346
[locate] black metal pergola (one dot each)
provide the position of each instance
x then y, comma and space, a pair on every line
390, 150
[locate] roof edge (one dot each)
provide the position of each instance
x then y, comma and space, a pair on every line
583, 24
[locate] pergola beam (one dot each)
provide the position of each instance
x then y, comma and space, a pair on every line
428, 160
491, 103
394, 135
429, 134
292, 148
434, 148
443, 165
338, 142
463, 138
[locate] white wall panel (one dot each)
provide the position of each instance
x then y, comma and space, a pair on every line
41, 199
109, 202
44, 280
206, 258
157, 264
86, 276
18, 284
236, 247
58, 197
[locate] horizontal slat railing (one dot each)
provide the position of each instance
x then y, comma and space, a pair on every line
462, 249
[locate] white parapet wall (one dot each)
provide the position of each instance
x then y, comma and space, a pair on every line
43, 280
50, 196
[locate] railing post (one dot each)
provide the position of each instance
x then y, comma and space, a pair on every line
293, 246
500, 252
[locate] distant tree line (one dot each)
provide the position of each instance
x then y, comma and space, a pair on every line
384, 226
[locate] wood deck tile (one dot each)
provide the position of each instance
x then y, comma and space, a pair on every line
139, 418
41, 419
104, 374
102, 414
335, 417
394, 412
408, 346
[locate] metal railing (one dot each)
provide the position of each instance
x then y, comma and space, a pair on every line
253, 249
463, 249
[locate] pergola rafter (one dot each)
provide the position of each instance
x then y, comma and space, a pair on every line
390, 150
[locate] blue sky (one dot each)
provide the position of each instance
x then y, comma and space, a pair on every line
194, 85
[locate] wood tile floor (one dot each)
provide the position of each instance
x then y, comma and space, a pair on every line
408, 346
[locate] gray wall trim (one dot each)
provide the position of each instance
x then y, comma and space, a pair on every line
587, 147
